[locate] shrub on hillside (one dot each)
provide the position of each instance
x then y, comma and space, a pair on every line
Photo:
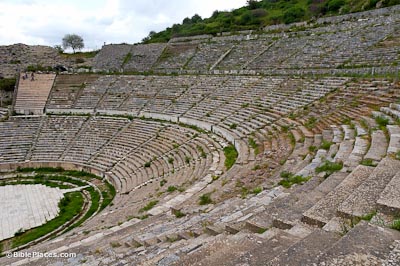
293, 14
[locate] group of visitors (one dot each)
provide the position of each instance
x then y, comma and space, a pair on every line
25, 76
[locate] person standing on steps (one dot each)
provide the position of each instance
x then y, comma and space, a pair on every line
32, 76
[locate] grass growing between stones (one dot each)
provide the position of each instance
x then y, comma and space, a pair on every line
179, 214
231, 155
368, 162
326, 145
329, 168
289, 179
94, 207
396, 225
254, 145
368, 217
70, 206
205, 199
149, 206
382, 122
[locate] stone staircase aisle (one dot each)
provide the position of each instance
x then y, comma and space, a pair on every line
32, 94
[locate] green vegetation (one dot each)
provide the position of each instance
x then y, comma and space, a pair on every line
162, 182
312, 149
34, 68
257, 190
329, 168
172, 188
244, 192
326, 145
292, 139
368, 217
179, 214
254, 145
368, 162
398, 155
7, 84
205, 199
201, 150
382, 122
258, 14
147, 164
396, 224
230, 156
149, 206
289, 179
70, 206
127, 58
310, 124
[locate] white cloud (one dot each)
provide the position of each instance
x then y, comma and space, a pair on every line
97, 21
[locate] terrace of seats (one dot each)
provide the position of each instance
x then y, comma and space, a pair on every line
271, 110
284, 127
351, 46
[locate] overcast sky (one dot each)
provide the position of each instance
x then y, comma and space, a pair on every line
45, 22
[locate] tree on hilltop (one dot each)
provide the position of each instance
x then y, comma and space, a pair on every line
73, 41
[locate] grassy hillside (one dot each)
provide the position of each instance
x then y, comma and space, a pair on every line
258, 14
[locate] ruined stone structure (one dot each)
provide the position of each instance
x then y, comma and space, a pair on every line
317, 135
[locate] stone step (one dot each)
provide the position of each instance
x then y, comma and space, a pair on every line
362, 200
360, 149
288, 214
392, 112
213, 230
264, 251
325, 209
305, 251
378, 146
365, 244
389, 200
376, 114
395, 106
394, 144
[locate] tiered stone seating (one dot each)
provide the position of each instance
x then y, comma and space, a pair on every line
242, 53
92, 137
67, 89
363, 200
208, 54
17, 138
111, 57
322, 212
291, 120
165, 153
143, 57
132, 137
176, 55
54, 137
91, 96
32, 94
